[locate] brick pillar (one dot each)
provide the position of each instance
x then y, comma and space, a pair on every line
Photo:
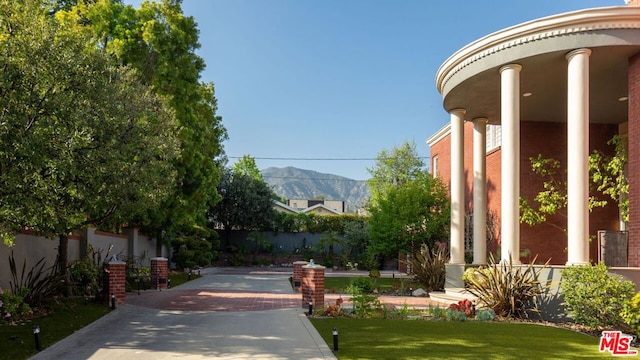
297, 274
159, 273
403, 257
634, 160
313, 285
116, 280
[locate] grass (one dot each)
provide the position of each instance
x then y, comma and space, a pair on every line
417, 339
17, 341
338, 284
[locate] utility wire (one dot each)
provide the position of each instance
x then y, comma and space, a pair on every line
315, 159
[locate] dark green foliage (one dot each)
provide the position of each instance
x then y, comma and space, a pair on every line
38, 286
361, 285
428, 267
631, 313
510, 290
192, 251
594, 297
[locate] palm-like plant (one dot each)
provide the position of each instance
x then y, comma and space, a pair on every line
511, 291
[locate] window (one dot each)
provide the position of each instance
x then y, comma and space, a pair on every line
494, 137
434, 167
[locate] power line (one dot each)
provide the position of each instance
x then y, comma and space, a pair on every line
315, 159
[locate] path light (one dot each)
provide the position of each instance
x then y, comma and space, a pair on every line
36, 337
335, 339
113, 301
310, 308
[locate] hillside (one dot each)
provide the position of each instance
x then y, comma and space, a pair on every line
294, 183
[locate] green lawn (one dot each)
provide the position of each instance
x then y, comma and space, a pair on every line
17, 341
338, 284
418, 339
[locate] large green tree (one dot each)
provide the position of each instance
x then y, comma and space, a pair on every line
160, 42
81, 139
409, 215
247, 204
246, 165
394, 168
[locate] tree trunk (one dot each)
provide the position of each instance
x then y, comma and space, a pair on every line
63, 263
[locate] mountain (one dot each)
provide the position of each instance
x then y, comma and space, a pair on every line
294, 183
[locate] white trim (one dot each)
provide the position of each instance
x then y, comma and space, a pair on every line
605, 18
439, 135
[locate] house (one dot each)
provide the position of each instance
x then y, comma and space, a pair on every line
316, 207
560, 86
335, 206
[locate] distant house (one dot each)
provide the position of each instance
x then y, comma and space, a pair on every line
318, 207
338, 206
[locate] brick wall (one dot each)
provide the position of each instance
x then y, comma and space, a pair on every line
313, 286
116, 280
298, 273
159, 273
634, 160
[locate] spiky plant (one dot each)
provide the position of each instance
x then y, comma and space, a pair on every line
427, 267
510, 290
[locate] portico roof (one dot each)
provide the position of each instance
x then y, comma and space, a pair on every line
470, 78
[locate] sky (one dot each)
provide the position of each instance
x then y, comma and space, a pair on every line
326, 85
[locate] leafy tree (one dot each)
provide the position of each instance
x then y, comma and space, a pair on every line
247, 166
607, 176
394, 168
160, 43
82, 140
412, 214
246, 204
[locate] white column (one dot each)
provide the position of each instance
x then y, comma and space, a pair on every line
457, 186
510, 113
577, 157
480, 191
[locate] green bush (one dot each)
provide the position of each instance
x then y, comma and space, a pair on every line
593, 297
511, 291
631, 313
485, 315
12, 306
360, 285
427, 267
364, 305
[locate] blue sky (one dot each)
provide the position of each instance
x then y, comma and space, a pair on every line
340, 79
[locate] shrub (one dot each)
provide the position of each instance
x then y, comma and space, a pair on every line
333, 310
438, 313
427, 267
85, 276
631, 313
511, 291
594, 297
360, 285
12, 306
365, 305
464, 306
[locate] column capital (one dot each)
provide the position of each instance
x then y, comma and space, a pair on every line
516, 67
458, 111
480, 120
581, 51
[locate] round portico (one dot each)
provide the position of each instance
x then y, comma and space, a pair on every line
577, 68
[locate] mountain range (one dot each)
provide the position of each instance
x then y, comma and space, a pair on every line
294, 183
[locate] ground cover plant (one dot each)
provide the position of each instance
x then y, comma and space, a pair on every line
396, 286
416, 339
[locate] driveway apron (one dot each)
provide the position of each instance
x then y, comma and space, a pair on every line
220, 315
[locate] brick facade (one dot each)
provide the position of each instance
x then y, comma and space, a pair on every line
313, 286
159, 273
634, 161
116, 280
298, 273
549, 139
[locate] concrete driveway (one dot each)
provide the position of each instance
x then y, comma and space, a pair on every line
220, 315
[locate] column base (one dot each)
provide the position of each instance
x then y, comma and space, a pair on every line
453, 276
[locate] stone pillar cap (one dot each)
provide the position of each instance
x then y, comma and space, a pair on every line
160, 258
